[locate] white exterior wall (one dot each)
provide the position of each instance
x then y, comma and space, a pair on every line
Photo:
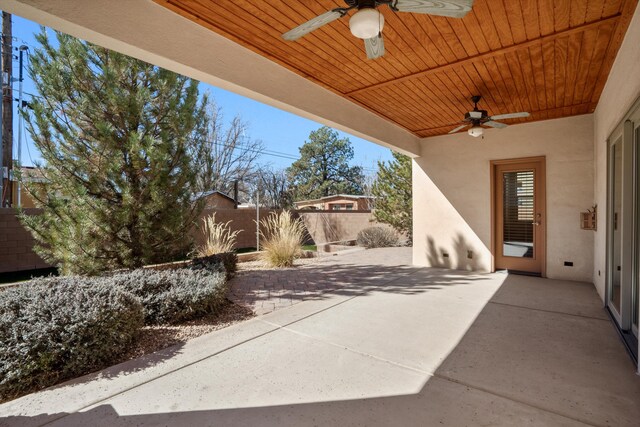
620, 92
452, 194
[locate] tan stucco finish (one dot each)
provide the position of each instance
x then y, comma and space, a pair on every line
452, 194
147, 31
620, 92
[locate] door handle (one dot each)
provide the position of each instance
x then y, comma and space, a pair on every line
538, 220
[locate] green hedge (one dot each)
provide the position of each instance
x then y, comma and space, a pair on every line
171, 296
228, 260
59, 328
55, 329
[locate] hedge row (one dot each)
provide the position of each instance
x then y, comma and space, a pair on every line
54, 329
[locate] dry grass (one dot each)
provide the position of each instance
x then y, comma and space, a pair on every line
282, 238
219, 238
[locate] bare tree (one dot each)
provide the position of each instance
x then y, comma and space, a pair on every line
367, 183
226, 154
273, 187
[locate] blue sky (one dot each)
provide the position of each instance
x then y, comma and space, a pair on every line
281, 131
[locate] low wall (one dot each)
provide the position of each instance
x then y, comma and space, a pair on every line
322, 226
332, 226
16, 244
242, 220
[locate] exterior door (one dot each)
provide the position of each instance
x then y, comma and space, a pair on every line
519, 215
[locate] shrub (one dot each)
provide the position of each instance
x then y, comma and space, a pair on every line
282, 238
171, 296
60, 328
227, 260
218, 237
377, 237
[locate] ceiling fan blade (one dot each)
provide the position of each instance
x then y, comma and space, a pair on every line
459, 128
374, 47
314, 24
496, 125
510, 116
449, 8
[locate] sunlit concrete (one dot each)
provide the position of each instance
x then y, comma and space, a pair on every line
396, 345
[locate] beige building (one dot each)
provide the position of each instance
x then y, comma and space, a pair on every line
339, 202
217, 200
513, 199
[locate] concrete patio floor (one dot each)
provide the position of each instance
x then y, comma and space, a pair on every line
394, 345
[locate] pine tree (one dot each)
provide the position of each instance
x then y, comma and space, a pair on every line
116, 135
323, 168
392, 190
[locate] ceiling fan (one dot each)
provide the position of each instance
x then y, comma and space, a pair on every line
367, 22
478, 118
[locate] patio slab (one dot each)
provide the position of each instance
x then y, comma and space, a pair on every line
403, 346
268, 290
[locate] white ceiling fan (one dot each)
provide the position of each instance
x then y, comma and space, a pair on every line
367, 22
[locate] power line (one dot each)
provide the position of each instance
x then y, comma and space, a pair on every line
272, 153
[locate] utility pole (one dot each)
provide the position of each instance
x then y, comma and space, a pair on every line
7, 107
258, 219
1, 129
22, 49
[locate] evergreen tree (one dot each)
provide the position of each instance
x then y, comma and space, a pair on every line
392, 190
116, 135
323, 168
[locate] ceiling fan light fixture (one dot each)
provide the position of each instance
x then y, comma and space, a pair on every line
366, 23
476, 131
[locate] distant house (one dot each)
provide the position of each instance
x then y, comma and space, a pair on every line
338, 202
217, 200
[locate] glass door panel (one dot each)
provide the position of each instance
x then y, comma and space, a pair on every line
518, 214
616, 226
635, 296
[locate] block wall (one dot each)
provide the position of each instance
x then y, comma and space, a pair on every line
16, 244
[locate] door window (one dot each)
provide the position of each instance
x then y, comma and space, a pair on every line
518, 207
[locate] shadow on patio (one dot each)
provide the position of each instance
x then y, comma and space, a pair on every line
536, 352
354, 274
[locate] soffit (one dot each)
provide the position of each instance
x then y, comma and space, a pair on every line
548, 57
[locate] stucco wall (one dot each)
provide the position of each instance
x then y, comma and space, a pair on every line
335, 226
452, 194
322, 226
16, 243
620, 92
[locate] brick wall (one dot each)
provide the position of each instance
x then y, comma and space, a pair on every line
16, 244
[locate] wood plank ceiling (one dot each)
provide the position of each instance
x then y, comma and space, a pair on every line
548, 57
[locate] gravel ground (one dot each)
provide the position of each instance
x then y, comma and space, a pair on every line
154, 338
261, 265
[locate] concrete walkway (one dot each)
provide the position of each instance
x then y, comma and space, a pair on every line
393, 346
264, 291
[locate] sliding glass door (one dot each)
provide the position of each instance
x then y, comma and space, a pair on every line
615, 227
635, 285
623, 227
